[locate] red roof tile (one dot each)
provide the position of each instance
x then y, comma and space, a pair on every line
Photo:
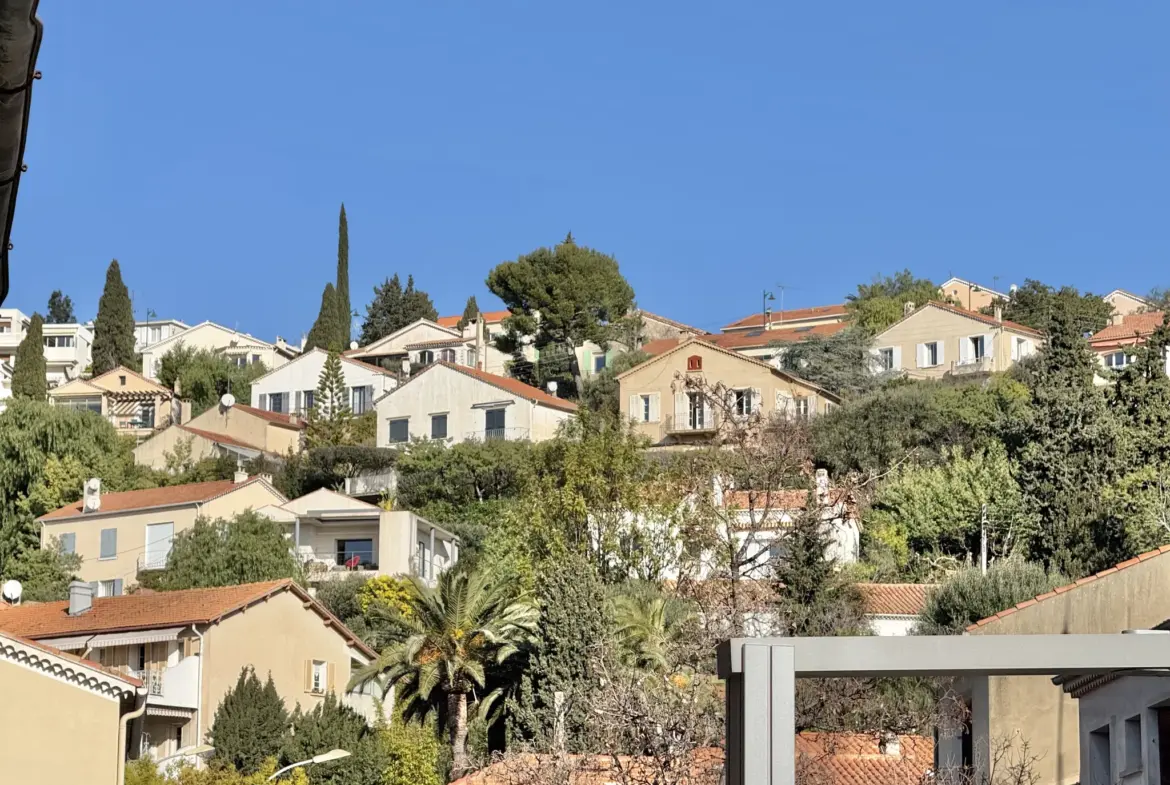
277, 418
489, 317
762, 337
894, 599
979, 317
1125, 565
797, 314
1133, 328
124, 501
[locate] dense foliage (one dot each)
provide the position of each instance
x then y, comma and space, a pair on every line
326, 332
394, 307
344, 307
250, 723
839, 362
113, 328
1038, 305
204, 376
971, 595
880, 303
60, 308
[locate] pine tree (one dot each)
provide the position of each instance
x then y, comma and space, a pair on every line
470, 312
113, 329
815, 598
416, 304
330, 419
326, 332
344, 307
60, 308
28, 371
250, 723
394, 307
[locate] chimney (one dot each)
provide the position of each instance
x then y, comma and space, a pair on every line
406, 368
266, 477
80, 598
480, 340
999, 314
91, 495
890, 744
822, 480
907, 309
178, 389
240, 477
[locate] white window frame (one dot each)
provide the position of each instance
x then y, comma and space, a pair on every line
882, 355
644, 406
977, 342
390, 426
107, 588
320, 677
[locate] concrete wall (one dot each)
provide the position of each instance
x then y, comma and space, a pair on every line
55, 732
277, 636
303, 374
777, 392
1110, 706
1131, 598
929, 324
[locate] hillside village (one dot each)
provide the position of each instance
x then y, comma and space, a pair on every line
209, 526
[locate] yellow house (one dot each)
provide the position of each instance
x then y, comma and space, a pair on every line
669, 397
1125, 303
790, 319
132, 403
51, 696
939, 339
237, 430
188, 648
119, 534
971, 296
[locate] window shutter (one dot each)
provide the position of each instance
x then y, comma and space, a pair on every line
812, 405
117, 587
586, 361
964, 350
921, 355
756, 400
708, 413
942, 360
635, 410
897, 357
297, 405
330, 675
264, 402
680, 408
308, 675
655, 402
784, 404
989, 345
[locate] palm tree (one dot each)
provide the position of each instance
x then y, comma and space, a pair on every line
647, 624
467, 622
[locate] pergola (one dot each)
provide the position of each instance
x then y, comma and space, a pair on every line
761, 675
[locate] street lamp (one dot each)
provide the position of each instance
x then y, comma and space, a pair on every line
324, 757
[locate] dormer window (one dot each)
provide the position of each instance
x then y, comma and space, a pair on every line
694, 363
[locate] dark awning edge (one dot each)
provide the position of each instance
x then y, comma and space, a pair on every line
20, 42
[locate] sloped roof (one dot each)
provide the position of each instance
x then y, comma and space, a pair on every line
1132, 326
796, 314
345, 358
276, 418
1074, 585
16, 642
979, 286
514, 386
974, 315
125, 501
894, 599
371, 348
219, 438
151, 610
489, 317
671, 322
759, 338
250, 339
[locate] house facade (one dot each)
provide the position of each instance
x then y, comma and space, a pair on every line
659, 395
455, 403
893, 608
336, 536
13, 328
790, 319
188, 648
655, 327
68, 352
424, 342
970, 296
152, 331
238, 430
1114, 345
240, 348
290, 389
133, 404
120, 534
939, 339
1125, 303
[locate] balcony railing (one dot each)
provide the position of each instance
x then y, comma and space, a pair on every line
983, 364
497, 435
152, 561
153, 679
176, 685
372, 484
692, 422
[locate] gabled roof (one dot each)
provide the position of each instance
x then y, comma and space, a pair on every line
894, 599
253, 340
977, 286
150, 610
507, 384
753, 339
276, 418
371, 348
982, 318
122, 370
1074, 585
702, 341
489, 317
219, 438
671, 322
1126, 293
67, 667
1133, 326
169, 496
796, 314
312, 352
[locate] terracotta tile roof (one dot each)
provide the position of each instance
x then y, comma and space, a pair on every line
894, 599
1062, 589
122, 370
761, 337
437, 344
124, 501
276, 418
489, 317
1133, 327
797, 314
220, 438
146, 611
657, 347
117, 674
980, 317
514, 386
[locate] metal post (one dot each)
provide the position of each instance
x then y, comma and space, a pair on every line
983, 538
767, 755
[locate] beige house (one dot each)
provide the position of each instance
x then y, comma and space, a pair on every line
655, 394
1115, 344
970, 296
336, 535
132, 403
655, 327
790, 319
188, 648
424, 342
1125, 303
939, 339
62, 716
241, 348
238, 430
120, 534
759, 344
455, 403
1130, 596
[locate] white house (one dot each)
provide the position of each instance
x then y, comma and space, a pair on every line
456, 403
13, 326
423, 342
68, 352
240, 348
290, 388
152, 331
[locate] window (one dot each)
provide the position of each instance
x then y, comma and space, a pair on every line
1116, 360
146, 415
424, 566
317, 682
1100, 763
1133, 746
886, 359
359, 399
255, 359
109, 544
494, 424
58, 341
87, 404
694, 363
5, 328
108, 589
645, 407
239, 360
801, 406
742, 403
438, 426
400, 430
426, 357
695, 411
447, 355
978, 347
472, 357
155, 334
68, 543
122, 381
598, 363
353, 554
276, 402
309, 399
930, 354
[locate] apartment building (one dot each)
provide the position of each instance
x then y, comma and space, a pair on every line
186, 648
13, 327
687, 378
240, 348
68, 352
290, 389
134, 405
243, 432
424, 342
939, 339
152, 331
121, 534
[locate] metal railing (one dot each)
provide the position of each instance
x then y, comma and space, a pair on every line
692, 422
372, 483
152, 561
152, 678
497, 435
984, 364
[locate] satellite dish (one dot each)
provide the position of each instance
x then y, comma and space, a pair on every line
552, 387
227, 401
353, 344
12, 591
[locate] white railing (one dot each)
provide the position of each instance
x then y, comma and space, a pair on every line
372, 484
175, 685
497, 434
975, 365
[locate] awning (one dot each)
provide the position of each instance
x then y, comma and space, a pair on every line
72, 643
166, 711
243, 452
134, 638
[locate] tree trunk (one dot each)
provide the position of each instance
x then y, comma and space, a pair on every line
575, 370
457, 727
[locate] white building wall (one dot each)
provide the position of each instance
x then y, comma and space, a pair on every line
1108, 708
147, 333
303, 373
212, 337
66, 363
891, 624
13, 326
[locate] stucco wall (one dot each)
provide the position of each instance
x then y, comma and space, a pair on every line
303, 374
1132, 598
930, 324
153, 451
55, 732
213, 338
249, 428
276, 636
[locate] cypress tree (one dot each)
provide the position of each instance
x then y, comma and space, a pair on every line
113, 329
326, 333
250, 723
344, 306
470, 312
28, 371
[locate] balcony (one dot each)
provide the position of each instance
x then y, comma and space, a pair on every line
152, 561
497, 435
983, 364
697, 423
172, 686
372, 483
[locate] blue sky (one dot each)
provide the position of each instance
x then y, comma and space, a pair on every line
714, 148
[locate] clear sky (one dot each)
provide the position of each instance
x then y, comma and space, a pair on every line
714, 148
